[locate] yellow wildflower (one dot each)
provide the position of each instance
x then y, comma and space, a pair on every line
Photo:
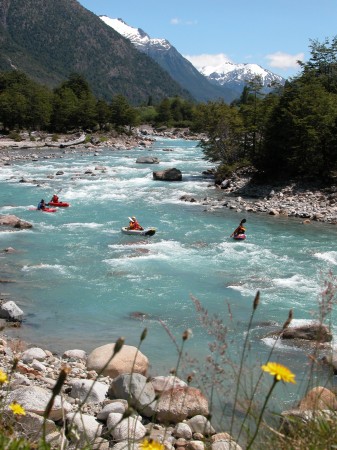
3, 377
17, 409
151, 445
280, 372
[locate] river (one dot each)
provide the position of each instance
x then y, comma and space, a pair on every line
82, 283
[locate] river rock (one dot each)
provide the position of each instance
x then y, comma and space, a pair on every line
9, 220
179, 404
200, 424
30, 424
182, 430
10, 311
136, 390
87, 427
35, 399
75, 354
164, 383
33, 353
128, 359
310, 332
90, 391
129, 428
168, 175
147, 160
116, 406
318, 398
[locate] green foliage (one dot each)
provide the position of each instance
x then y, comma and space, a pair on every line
147, 114
15, 136
122, 114
175, 112
224, 128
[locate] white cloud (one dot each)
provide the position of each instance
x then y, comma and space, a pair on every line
284, 61
177, 21
200, 61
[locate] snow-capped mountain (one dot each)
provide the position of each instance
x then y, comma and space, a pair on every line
207, 83
237, 75
178, 67
137, 36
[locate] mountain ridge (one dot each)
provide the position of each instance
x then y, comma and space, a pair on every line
49, 40
167, 56
229, 77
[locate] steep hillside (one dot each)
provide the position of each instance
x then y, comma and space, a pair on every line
167, 56
48, 40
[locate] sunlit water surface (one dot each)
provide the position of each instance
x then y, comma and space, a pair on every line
80, 281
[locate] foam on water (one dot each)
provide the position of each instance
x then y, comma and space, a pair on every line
330, 257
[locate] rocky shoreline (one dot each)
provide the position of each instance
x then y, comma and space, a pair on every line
308, 201
108, 399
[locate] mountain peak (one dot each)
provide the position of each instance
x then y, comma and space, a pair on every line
137, 36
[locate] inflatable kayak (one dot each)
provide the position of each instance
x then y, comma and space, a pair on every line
59, 204
44, 210
239, 237
145, 232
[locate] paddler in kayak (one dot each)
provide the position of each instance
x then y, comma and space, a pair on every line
41, 205
54, 199
240, 229
134, 225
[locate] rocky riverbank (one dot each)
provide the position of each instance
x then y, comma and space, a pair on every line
108, 399
308, 201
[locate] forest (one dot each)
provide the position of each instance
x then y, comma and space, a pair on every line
290, 132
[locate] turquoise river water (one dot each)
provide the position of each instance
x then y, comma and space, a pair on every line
79, 280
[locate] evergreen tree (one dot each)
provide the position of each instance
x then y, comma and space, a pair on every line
122, 114
224, 128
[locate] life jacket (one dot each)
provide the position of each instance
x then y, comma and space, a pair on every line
55, 199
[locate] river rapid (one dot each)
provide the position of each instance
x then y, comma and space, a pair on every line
82, 283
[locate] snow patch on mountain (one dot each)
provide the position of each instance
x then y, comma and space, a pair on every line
137, 36
228, 72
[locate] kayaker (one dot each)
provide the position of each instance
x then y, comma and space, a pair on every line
41, 205
240, 229
134, 225
55, 199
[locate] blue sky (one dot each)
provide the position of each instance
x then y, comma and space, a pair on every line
274, 33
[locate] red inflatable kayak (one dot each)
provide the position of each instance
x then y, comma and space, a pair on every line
44, 210
59, 204
239, 237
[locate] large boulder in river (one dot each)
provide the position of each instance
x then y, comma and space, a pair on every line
10, 311
128, 359
147, 160
309, 332
9, 220
168, 175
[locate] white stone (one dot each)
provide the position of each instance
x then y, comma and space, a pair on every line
114, 407
33, 353
129, 428
35, 399
86, 428
90, 391
10, 311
